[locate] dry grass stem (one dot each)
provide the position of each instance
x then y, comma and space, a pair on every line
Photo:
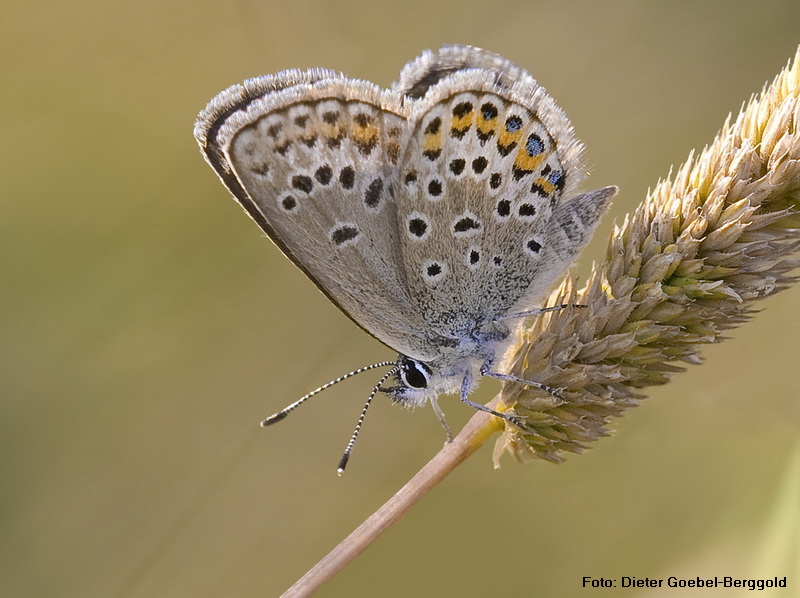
474, 434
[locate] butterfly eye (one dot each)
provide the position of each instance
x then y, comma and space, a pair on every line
414, 374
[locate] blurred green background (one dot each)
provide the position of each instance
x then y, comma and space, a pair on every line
148, 326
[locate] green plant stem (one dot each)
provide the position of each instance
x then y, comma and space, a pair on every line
474, 434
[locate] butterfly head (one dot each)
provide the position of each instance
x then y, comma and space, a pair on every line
419, 382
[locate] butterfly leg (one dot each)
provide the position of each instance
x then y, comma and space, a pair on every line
517, 421
540, 311
440, 414
509, 378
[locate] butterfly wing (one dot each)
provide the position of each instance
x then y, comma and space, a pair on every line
421, 74
311, 156
485, 167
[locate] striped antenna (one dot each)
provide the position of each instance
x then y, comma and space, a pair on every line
349, 449
276, 417
540, 311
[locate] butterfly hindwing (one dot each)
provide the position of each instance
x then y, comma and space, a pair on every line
421, 74
483, 170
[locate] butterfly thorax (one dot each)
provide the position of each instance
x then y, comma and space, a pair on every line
458, 363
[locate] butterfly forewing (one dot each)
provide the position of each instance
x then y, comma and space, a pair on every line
318, 161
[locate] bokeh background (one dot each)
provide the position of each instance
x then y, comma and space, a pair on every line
147, 326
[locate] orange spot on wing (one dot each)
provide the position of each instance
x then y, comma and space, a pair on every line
545, 185
462, 122
530, 163
364, 134
432, 142
331, 131
505, 138
485, 126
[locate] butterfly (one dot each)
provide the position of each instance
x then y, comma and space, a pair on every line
436, 214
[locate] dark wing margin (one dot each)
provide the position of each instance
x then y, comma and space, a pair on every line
209, 122
227, 103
